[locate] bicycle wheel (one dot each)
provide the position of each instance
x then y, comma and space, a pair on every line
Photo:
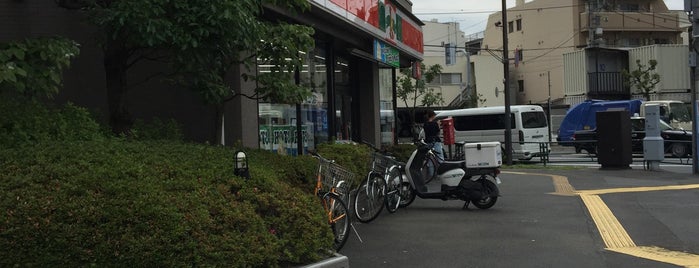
369, 199
338, 217
394, 182
428, 169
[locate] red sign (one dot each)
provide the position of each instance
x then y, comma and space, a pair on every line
383, 15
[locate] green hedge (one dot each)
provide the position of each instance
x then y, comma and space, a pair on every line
27, 121
160, 204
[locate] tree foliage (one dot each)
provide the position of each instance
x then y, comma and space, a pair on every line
201, 41
33, 67
410, 90
644, 78
474, 99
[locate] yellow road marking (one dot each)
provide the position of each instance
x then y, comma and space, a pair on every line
560, 183
613, 234
639, 189
661, 255
609, 227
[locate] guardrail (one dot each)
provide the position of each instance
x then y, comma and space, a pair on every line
555, 152
592, 154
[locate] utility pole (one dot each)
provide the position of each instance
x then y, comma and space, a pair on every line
548, 105
506, 81
692, 9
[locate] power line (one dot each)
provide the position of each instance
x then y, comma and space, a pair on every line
494, 11
552, 49
649, 23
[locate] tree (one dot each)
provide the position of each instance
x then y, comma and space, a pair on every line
33, 67
644, 78
474, 99
201, 41
410, 90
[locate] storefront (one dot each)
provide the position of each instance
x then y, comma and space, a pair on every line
351, 72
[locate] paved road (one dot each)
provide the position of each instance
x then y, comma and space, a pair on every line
531, 227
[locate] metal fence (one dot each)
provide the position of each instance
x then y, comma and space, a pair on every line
554, 152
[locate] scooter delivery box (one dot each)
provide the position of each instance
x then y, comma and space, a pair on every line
483, 154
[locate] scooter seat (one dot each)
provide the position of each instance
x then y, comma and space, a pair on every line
449, 165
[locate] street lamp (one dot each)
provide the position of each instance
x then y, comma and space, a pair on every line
240, 162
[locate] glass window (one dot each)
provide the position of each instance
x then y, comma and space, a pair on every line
510, 27
314, 111
343, 100
680, 112
387, 117
520, 85
533, 120
278, 123
447, 79
519, 24
482, 122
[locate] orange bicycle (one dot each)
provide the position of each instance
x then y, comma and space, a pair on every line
332, 186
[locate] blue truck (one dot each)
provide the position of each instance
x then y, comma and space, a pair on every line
583, 116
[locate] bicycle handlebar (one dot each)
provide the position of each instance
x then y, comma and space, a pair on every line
316, 155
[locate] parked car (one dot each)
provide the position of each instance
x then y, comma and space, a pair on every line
678, 142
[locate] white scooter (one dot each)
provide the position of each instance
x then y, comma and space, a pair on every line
454, 180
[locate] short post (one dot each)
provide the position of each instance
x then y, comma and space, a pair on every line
241, 165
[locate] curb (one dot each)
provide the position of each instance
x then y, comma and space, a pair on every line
337, 261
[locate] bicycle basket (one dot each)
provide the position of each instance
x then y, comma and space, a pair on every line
335, 176
381, 162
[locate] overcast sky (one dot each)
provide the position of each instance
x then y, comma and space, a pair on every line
474, 13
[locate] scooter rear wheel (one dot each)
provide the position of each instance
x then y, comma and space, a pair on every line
490, 191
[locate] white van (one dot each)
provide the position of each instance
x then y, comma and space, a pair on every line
528, 123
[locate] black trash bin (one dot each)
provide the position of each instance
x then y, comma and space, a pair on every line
614, 139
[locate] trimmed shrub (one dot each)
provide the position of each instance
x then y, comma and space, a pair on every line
27, 121
156, 129
158, 204
354, 157
402, 152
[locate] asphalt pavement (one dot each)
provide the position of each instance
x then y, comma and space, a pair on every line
545, 218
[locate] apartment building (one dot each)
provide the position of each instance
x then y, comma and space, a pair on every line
540, 32
457, 53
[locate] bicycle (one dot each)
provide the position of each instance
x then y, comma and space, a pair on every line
380, 188
429, 165
332, 186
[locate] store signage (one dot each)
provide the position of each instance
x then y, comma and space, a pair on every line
382, 18
282, 138
387, 54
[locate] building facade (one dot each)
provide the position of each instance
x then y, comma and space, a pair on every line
540, 32
351, 72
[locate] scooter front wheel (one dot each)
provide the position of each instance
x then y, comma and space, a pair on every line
407, 194
490, 194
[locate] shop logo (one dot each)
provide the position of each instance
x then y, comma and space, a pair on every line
390, 22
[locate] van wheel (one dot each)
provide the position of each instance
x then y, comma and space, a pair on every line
678, 150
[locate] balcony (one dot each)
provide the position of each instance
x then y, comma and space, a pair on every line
633, 21
607, 85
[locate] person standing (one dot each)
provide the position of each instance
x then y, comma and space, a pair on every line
431, 128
